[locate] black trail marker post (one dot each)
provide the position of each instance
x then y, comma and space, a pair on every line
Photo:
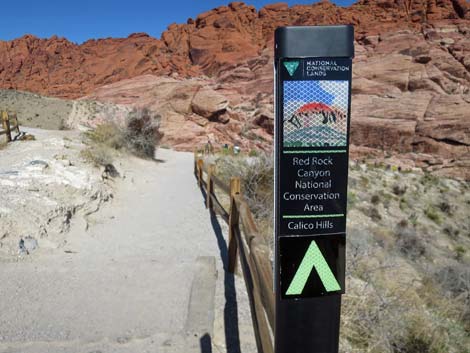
313, 91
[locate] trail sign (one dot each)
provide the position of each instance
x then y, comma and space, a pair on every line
312, 102
311, 266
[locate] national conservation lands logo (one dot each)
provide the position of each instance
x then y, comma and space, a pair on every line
291, 67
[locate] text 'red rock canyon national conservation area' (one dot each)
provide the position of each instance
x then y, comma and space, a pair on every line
212, 77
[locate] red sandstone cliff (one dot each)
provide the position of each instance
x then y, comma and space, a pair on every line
216, 39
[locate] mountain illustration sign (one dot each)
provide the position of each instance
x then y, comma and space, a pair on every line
313, 69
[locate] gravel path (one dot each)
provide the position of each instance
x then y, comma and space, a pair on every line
123, 285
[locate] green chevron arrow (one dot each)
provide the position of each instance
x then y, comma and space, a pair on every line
291, 66
313, 258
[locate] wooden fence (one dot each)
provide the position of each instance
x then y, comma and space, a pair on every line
9, 124
245, 240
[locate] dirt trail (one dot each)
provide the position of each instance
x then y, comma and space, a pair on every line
124, 284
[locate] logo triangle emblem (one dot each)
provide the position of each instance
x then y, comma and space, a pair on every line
291, 66
313, 259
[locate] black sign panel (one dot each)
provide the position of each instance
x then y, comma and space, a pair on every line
314, 102
312, 266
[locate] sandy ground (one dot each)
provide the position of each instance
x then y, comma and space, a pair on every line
123, 285
45, 186
51, 113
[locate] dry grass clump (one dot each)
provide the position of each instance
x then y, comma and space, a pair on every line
390, 308
256, 174
140, 137
107, 134
409, 242
98, 155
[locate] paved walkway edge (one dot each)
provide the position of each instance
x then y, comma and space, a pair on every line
198, 331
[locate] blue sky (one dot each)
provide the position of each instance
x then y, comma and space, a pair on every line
79, 20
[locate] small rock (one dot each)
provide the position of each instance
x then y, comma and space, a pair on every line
39, 162
422, 59
30, 243
447, 41
123, 340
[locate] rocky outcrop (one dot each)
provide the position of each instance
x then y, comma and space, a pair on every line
192, 111
209, 104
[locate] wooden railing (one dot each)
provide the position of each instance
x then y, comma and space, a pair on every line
248, 243
9, 124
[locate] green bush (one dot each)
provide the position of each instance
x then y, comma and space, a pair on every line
432, 214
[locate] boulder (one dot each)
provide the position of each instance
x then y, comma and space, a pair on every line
209, 104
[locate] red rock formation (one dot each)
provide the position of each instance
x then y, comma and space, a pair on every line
209, 44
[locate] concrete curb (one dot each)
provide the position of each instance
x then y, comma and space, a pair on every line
197, 334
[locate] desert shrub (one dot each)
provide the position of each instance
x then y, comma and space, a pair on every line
451, 231
421, 337
98, 155
413, 219
386, 198
403, 204
403, 223
445, 207
139, 136
429, 179
454, 279
364, 181
409, 242
107, 134
375, 199
446, 291
460, 252
432, 214
399, 190
352, 199
142, 132
256, 174
373, 213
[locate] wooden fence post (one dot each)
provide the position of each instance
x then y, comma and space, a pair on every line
195, 162
6, 125
232, 223
200, 165
14, 117
210, 186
